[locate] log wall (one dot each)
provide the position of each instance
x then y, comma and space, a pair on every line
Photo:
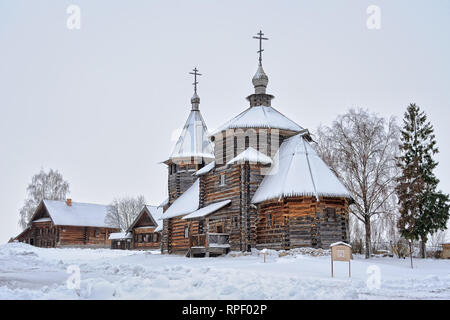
146, 238
177, 242
180, 178
302, 222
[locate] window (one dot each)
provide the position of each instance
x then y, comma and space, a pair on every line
96, 232
186, 232
235, 222
224, 151
222, 180
269, 220
330, 214
155, 237
200, 227
219, 228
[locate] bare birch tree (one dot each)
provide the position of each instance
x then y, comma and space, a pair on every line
44, 186
123, 211
361, 148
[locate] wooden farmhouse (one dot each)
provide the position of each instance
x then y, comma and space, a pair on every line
68, 224
143, 234
255, 182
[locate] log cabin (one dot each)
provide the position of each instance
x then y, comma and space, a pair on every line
57, 224
260, 185
145, 231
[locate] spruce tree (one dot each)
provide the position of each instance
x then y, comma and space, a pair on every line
423, 209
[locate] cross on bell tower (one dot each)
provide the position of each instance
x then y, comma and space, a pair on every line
260, 38
260, 79
195, 100
195, 73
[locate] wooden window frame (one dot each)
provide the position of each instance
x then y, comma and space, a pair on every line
331, 213
186, 232
221, 226
201, 227
224, 150
223, 180
269, 220
235, 222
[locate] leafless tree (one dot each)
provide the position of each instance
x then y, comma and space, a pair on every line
123, 211
361, 149
44, 186
437, 238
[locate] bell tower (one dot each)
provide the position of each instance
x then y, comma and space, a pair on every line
192, 151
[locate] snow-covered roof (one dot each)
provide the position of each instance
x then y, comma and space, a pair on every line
186, 203
193, 140
298, 171
203, 212
206, 169
166, 201
154, 212
77, 214
260, 117
340, 243
42, 220
120, 235
251, 155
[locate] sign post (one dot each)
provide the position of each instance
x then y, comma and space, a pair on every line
340, 251
264, 252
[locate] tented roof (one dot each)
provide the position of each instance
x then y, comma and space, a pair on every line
193, 140
298, 171
260, 117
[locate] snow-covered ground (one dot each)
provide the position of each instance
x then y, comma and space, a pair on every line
28, 272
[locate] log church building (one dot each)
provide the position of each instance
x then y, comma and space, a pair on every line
255, 182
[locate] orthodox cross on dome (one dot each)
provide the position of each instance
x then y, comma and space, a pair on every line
260, 38
195, 73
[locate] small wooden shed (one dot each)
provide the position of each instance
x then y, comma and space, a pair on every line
121, 240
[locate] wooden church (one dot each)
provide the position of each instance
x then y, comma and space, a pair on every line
255, 182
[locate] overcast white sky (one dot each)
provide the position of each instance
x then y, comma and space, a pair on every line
100, 103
